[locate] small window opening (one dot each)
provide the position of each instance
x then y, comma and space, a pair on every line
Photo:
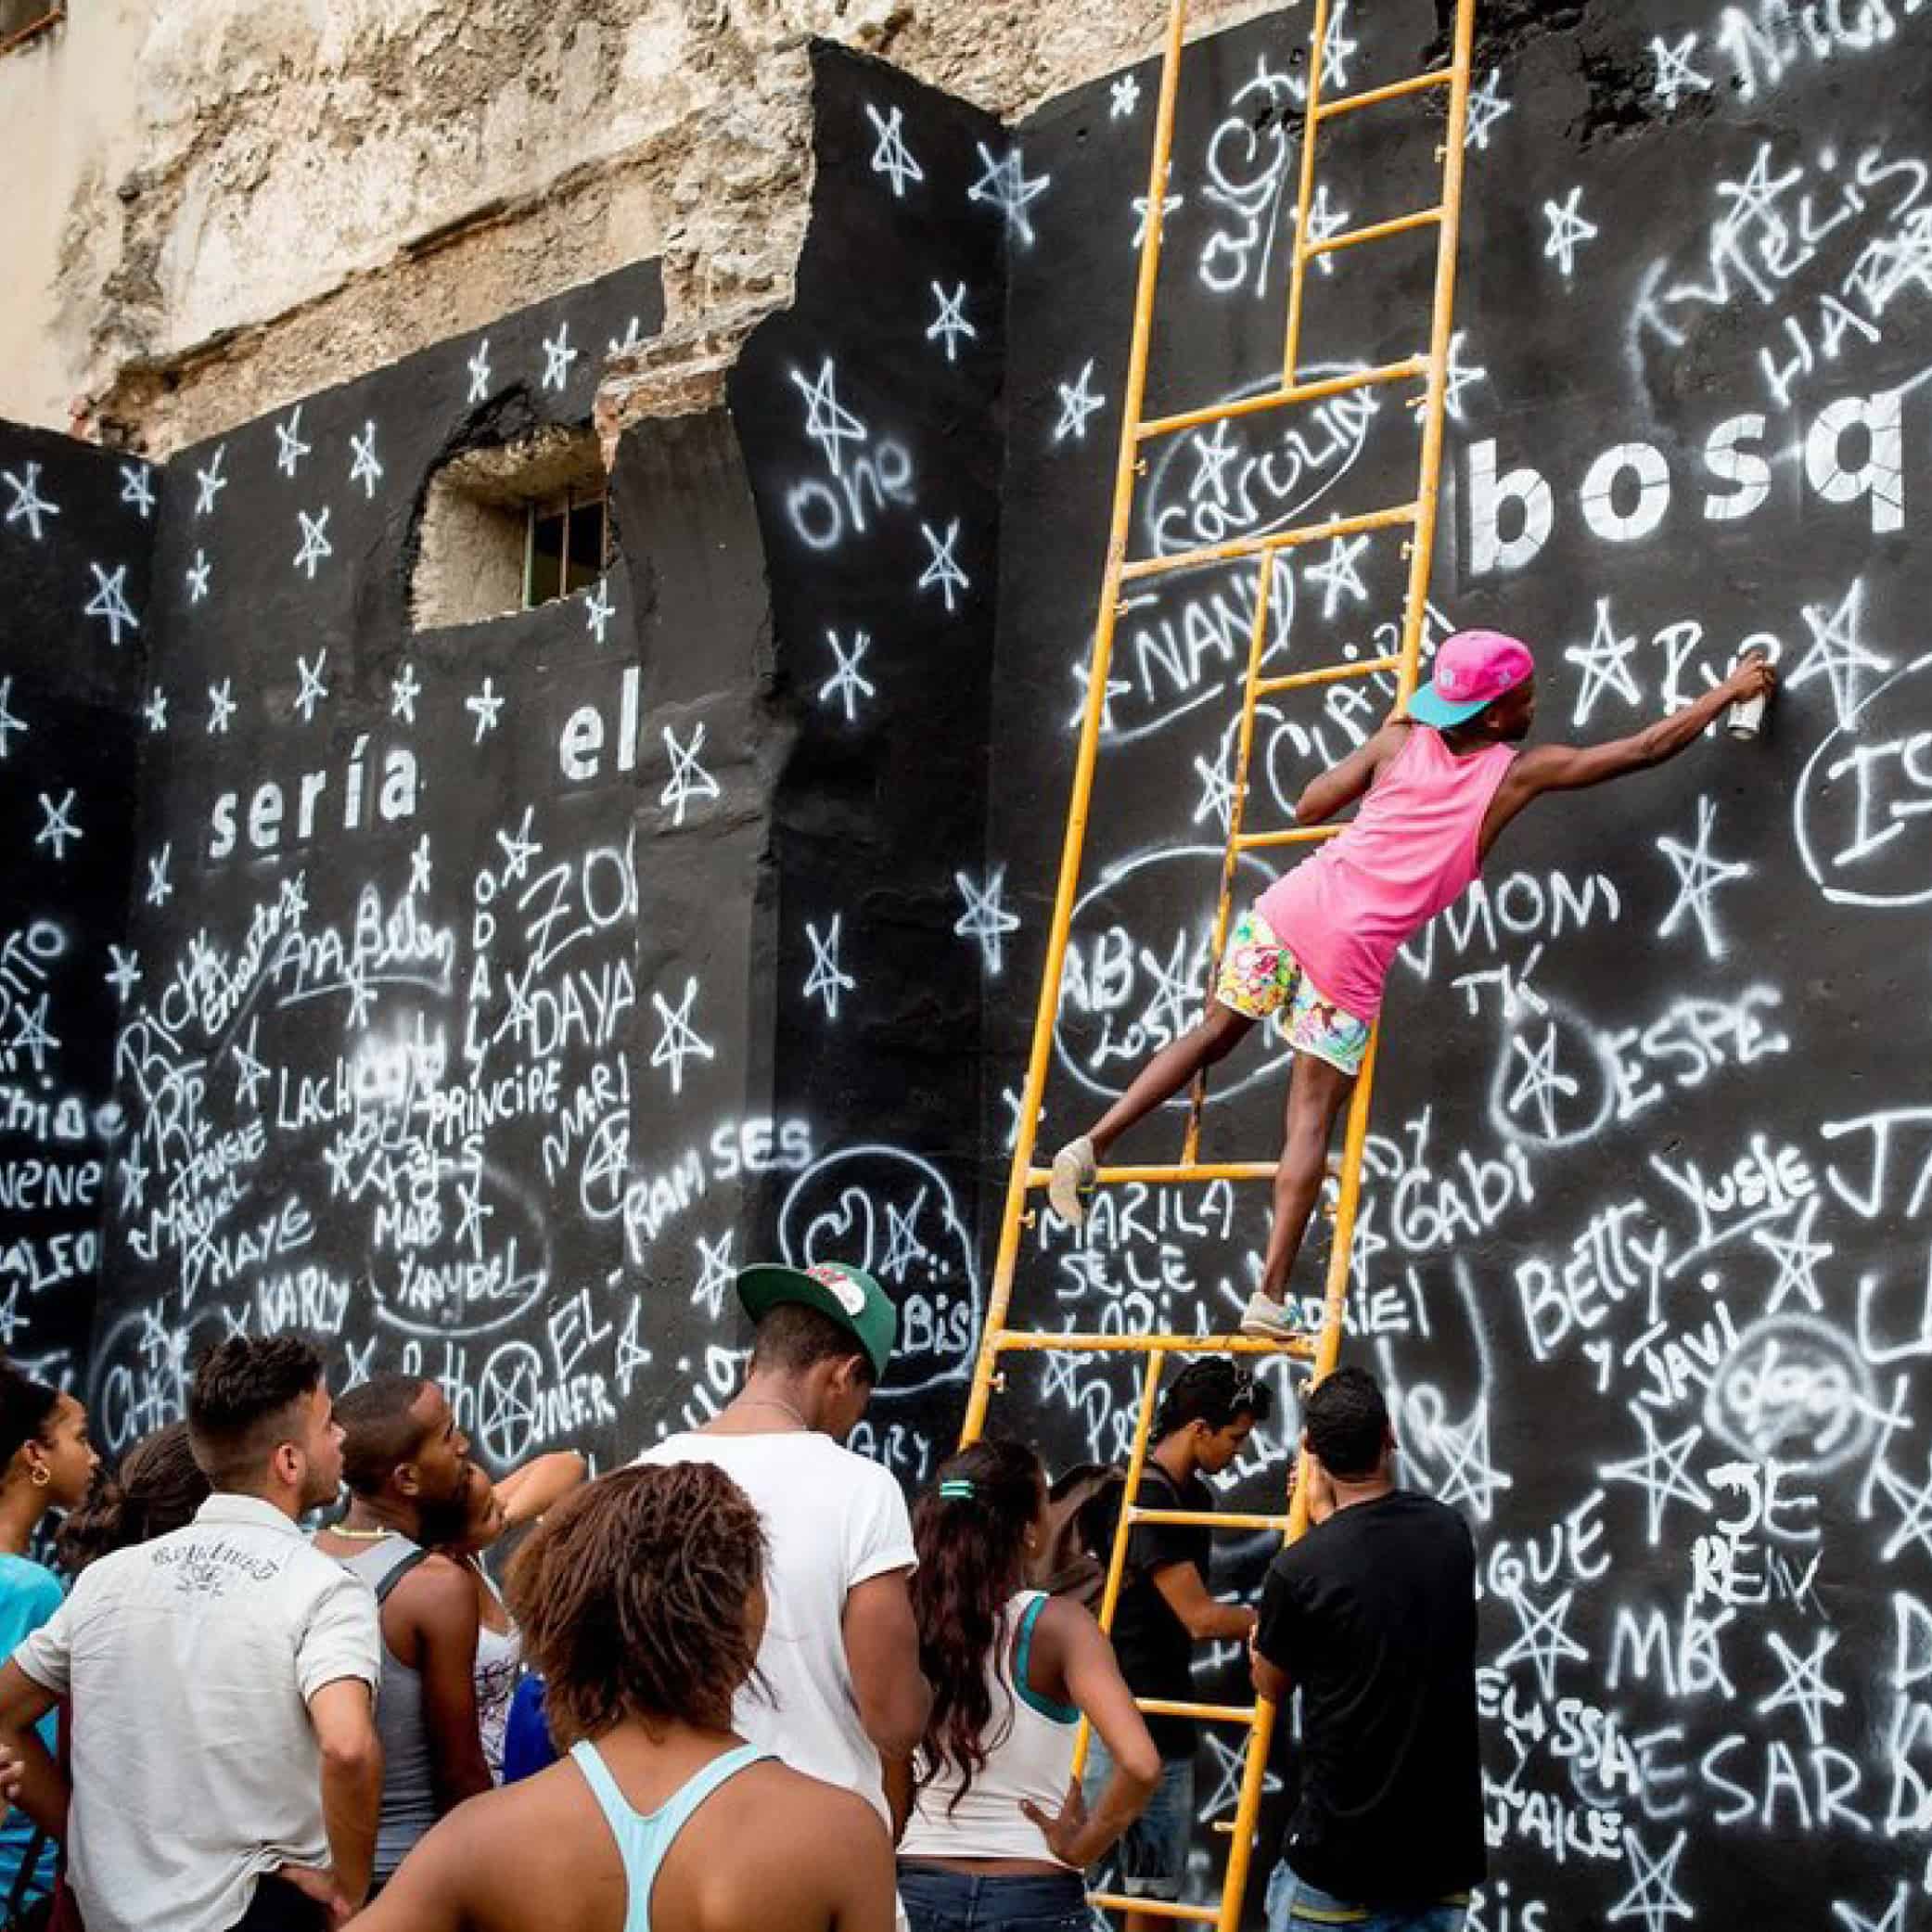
568, 547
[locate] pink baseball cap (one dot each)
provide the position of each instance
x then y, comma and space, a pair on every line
1473, 669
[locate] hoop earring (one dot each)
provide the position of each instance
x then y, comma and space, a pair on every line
41, 1478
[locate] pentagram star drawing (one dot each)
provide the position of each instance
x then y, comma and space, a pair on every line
1661, 1472
1915, 1507
847, 685
1217, 799
1605, 664
421, 869
1325, 218
1797, 1257
1469, 1478
1125, 98
109, 601
29, 506
678, 1040
366, 469
404, 688
716, 1272
1486, 107
1338, 576
484, 706
1652, 1897
1078, 401
8, 721
137, 488
598, 609
197, 575
1675, 75
315, 544
1803, 1688
361, 995
1839, 653
688, 779
904, 1249
1337, 49
950, 325
314, 691
986, 920
827, 979
1212, 456
222, 706
1542, 1083
1459, 376
478, 368
58, 824
1570, 229
1544, 1640
1699, 874
210, 483
156, 709
1003, 182
289, 447
158, 888
1169, 205
558, 357
31, 1035
943, 572
517, 847
469, 1224
827, 421
126, 973
891, 157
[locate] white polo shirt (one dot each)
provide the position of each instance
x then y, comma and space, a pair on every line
189, 1661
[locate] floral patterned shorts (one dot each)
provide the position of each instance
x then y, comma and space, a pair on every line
1260, 978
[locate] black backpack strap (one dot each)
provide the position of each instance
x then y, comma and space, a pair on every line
395, 1576
24, 1877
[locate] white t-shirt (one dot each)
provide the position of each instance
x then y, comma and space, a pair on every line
834, 1520
190, 1661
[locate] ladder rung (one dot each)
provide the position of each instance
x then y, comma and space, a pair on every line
1293, 835
1155, 1908
1327, 674
1069, 1342
1285, 398
1209, 1519
1281, 540
1208, 1713
1374, 97
1184, 1171
1375, 231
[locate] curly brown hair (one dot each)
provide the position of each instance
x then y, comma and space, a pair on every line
632, 1597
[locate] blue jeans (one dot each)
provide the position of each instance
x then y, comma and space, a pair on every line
1151, 1861
938, 1901
1294, 1905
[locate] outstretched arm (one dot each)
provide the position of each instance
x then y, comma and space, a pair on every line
1341, 785
1574, 767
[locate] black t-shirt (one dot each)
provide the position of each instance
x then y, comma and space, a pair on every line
1373, 1615
1154, 1650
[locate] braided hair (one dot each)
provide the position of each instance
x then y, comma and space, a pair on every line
969, 1530
633, 1597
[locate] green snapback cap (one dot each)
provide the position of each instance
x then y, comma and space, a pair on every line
845, 1294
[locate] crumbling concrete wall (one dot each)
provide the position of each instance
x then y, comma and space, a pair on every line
247, 200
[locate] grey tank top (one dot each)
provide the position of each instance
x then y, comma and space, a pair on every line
408, 1775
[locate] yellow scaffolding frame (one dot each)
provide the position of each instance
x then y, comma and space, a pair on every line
1419, 514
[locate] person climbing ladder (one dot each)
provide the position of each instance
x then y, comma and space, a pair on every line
1313, 952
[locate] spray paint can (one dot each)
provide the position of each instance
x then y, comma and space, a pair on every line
1746, 718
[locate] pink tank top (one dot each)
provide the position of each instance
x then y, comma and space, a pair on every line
1408, 853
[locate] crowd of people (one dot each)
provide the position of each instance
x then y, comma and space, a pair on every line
736, 1686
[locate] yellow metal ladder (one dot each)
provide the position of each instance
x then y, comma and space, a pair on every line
1418, 516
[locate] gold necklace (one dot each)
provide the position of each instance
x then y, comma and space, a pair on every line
362, 1536
764, 1402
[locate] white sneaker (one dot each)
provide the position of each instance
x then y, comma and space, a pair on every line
1269, 1319
1075, 1167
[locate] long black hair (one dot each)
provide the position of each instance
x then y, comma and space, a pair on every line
27, 1409
970, 1531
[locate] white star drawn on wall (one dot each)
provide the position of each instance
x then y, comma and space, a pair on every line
950, 325
1804, 1688
210, 483
197, 575
31, 1034
678, 1040
314, 691
1653, 1896
986, 918
1458, 376
827, 421
420, 868
158, 889
1326, 217
156, 709
891, 157
1839, 653
1797, 1257
126, 972
1542, 1083
1337, 49
1699, 875
826, 980
137, 488
1003, 182
8, 721
58, 824
688, 779
469, 1223
1544, 1641
109, 601
1168, 204
1675, 75
29, 506
478, 366
289, 447
518, 848
943, 572
598, 609
1605, 664
1486, 107
1126, 97
250, 1072
366, 469
1212, 456
484, 706
1662, 1472
221, 707
716, 1272
847, 685
315, 544
558, 357
1570, 229
404, 688
1339, 576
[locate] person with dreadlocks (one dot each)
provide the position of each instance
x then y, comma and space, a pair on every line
641, 1599
1000, 1832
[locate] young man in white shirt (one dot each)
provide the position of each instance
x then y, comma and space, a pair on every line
847, 1701
226, 1772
